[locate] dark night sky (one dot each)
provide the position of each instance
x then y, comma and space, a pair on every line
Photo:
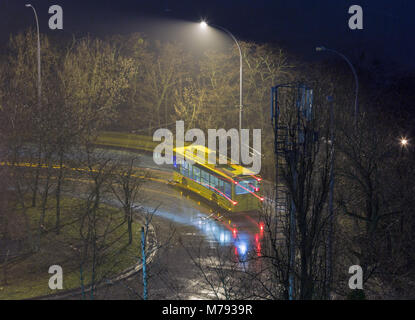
299, 25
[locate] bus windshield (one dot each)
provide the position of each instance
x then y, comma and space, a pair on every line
246, 186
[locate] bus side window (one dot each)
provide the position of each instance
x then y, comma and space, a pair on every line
190, 171
204, 177
196, 174
221, 186
184, 168
228, 190
214, 182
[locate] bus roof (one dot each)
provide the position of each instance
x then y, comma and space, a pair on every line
228, 170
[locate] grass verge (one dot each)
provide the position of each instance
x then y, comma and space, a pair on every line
28, 277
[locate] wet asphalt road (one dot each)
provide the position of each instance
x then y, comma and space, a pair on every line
186, 226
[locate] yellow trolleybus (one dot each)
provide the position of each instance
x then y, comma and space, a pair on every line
230, 186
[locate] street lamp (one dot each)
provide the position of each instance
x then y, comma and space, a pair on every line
356, 107
404, 142
39, 81
204, 25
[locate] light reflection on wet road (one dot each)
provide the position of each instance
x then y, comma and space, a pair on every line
217, 227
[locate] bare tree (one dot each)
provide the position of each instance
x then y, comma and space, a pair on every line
127, 190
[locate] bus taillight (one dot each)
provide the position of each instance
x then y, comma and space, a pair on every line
234, 231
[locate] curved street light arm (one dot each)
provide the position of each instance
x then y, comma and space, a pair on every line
231, 35
38, 54
355, 77
240, 72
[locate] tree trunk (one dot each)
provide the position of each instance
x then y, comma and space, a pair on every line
58, 193
43, 213
37, 173
130, 231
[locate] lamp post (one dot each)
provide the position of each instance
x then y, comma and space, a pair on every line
330, 207
39, 93
143, 254
39, 80
331, 174
356, 105
204, 25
